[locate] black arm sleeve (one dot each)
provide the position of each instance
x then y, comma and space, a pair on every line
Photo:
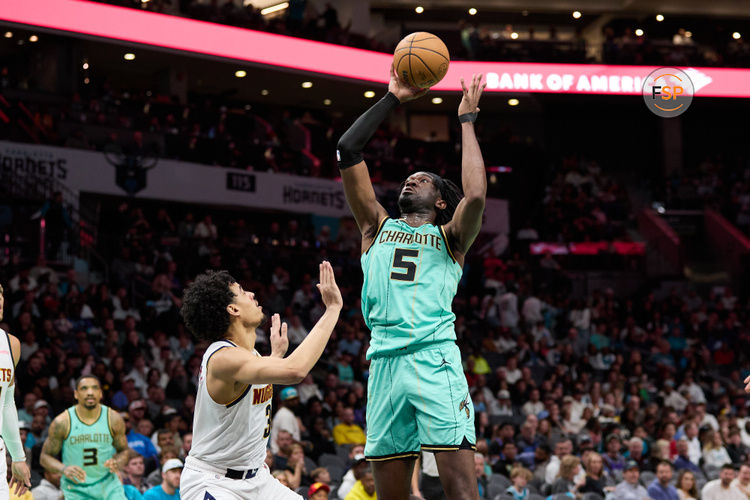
354, 140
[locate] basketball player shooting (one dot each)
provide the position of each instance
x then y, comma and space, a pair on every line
232, 420
10, 353
93, 443
418, 397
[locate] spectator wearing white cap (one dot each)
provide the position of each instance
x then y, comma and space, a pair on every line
41, 407
349, 480
285, 419
23, 429
504, 406
169, 489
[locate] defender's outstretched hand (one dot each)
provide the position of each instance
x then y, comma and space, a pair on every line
402, 91
279, 340
329, 291
21, 480
470, 100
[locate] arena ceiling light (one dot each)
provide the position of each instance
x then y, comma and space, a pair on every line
326, 102
129, 56
369, 94
736, 35
240, 73
264, 92
419, 9
33, 38
513, 102
659, 17
8, 34
437, 100
514, 35
307, 85
85, 65
472, 11
639, 32
274, 8
576, 14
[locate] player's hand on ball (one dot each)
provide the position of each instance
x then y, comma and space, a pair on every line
402, 91
74, 473
279, 340
470, 100
21, 480
329, 291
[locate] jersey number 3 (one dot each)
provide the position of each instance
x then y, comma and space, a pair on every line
408, 268
90, 457
267, 430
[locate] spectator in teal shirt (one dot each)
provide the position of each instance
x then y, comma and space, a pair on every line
169, 489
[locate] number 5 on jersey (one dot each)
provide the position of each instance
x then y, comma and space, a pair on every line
408, 267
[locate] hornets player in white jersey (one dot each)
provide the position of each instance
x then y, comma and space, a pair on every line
94, 446
10, 353
232, 420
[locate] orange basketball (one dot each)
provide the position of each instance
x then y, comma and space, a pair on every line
421, 59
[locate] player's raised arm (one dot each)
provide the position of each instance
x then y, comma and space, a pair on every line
357, 185
58, 431
467, 220
240, 365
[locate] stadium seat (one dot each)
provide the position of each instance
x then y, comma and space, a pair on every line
534, 496
496, 485
342, 450
647, 477
326, 460
336, 471
711, 471
592, 496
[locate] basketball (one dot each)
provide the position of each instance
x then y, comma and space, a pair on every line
421, 59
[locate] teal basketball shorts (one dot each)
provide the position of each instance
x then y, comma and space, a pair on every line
418, 401
107, 488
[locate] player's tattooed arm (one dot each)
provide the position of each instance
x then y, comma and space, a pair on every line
467, 220
58, 431
119, 442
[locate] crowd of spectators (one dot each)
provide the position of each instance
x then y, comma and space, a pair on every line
226, 133
582, 203
215, 133
571, 394
720, 182
300, 19
474, 41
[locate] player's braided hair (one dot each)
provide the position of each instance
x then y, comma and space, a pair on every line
451, 194
204, 305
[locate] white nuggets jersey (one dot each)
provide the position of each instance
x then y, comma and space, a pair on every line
235, 435
7, 370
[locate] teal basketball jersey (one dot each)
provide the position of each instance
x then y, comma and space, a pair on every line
410, 279
88, 447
